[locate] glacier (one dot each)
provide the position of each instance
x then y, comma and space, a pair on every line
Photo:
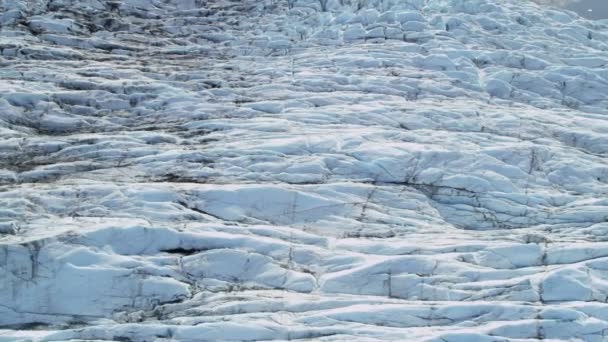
315, 170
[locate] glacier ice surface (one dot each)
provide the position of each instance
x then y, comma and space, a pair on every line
370, 170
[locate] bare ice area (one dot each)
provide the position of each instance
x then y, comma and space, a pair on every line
592, 9
333, 170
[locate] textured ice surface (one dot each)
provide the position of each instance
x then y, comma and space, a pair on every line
411, 170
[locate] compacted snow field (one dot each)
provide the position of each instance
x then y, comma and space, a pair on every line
340, 170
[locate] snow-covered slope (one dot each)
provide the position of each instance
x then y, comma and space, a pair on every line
353, 170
